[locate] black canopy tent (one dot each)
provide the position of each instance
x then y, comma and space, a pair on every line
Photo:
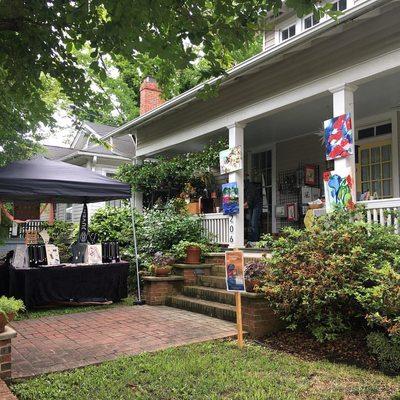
49, 181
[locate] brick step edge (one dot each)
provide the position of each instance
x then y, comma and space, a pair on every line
209, 294
5, 392
210, 308
218, 282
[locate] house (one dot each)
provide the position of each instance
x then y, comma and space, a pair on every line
274, 105
85, 152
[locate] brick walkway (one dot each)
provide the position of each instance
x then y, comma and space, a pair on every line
5, 393
63, 342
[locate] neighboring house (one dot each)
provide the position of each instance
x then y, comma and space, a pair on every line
274, 105
96, 157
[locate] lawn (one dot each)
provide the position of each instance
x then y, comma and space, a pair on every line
212, 370
61, 310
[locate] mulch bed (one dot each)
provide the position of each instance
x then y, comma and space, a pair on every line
348, 349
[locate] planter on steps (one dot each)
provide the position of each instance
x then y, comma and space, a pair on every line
193, 255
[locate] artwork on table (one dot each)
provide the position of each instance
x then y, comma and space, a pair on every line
45, 236
234, 270
338, 137
94, 254
230, 160
31, 237
20, 258
310, 175
338, 190
292, 212
280, 211
52, 254
230, 198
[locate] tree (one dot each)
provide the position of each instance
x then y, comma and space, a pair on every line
39, 41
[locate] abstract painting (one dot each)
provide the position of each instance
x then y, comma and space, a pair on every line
230, 198
338, 190
338, 137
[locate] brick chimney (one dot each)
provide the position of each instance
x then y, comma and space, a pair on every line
150, 95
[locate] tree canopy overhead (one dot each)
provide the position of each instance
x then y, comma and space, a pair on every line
39, 42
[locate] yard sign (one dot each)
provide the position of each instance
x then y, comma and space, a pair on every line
234, 272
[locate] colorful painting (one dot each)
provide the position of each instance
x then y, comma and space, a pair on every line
234, 270
338, 137
230, 160
230, 198
338, 190
292, 212
310, 175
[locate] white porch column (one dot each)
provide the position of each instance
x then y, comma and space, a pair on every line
236, 222
343, 102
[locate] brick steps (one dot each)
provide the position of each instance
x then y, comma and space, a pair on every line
210, 308
218, 270
210, 294
217, 282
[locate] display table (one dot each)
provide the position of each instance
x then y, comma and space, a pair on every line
69, 283
4, 281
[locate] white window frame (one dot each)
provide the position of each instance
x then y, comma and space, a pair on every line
287, 28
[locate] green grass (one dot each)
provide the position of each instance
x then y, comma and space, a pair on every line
213, 370
62, 310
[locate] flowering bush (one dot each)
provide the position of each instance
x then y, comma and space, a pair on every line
339, 274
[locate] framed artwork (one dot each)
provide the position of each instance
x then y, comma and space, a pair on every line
310, 175
338, 190
234, 271
230, 198
280, 211
94, 254
230, 160
52, 254
292, 212
338, 137
306, 194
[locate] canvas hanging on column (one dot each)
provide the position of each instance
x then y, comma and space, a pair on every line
230, 198
338, 137
338, 190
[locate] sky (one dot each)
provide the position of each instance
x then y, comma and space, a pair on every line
63, 134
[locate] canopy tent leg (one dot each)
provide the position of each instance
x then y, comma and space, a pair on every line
139, 297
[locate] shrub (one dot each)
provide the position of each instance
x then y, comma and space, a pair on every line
386, 350
62, 234
328, 279
9, 305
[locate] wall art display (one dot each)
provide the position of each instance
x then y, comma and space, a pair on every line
94, 254
234, 270
230, 160
280, 211
230, 198
310, 175
338, 137
292, 212
52, 254
338, 190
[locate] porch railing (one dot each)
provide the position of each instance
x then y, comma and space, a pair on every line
383, 212
216, 227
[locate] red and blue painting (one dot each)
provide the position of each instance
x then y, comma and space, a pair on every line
338, 137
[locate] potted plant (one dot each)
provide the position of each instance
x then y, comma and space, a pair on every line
190, 252
9, 308
162, 264
253, 275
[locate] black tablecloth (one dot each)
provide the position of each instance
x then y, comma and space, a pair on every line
4, 281
47, 285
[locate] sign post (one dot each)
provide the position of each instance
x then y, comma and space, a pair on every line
234, 271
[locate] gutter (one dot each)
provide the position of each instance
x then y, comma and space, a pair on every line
84, 153
247, 65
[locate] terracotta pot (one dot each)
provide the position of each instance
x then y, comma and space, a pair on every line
193, 254
193, 208
4, 321
251, 283
162, 271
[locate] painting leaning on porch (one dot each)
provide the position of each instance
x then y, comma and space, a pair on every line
274, 104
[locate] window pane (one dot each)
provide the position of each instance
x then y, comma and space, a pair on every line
376, 188
285, 34
383, 129
365, 173
387, 188
365, 157
375, 172
365, 187
386, 170
342, 5
307, 22
292, 30
386, 152
315, 20
334, 6
269, 159
366, 133
375, 155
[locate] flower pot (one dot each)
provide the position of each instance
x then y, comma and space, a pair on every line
193, 254
251, 283
4, 321
193, 208
162, 271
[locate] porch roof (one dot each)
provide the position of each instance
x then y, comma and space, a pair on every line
251, 65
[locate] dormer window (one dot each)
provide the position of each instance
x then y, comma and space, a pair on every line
310, 21
289, 32
340, 5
